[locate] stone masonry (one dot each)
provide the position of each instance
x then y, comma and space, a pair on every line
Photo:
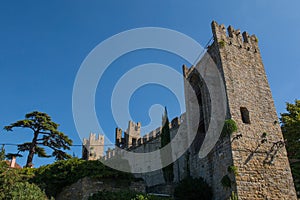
93, 148
263, 166
256, 150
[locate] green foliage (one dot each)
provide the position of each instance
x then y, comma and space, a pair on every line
45, 133
222, 43
165, 132
123, 195
14, 184
193, 189
149, 197
2, 153
108, 195
226, 181
11, 155
229, 127
165, 140
232, 169
25, 191
233, 196
290, 125
52, 178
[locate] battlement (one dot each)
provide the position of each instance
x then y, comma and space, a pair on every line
147, 138
134, 129
93, 147
93, 139
234, 37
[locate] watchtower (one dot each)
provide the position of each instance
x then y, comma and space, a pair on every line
257, 149
93, 148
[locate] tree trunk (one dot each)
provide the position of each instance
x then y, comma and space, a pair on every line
32, 150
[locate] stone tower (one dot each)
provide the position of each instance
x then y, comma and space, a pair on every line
133, 133
131, 136
93, 148
118, 136
257, 149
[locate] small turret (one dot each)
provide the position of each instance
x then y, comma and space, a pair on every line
93, 147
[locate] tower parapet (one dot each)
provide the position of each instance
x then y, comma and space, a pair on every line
93, 148
130, 137
118, 136
234, 37
251, 106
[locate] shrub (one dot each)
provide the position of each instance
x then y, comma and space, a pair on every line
233, 196
190, 189
123, 195
149, 197
109, 195
54, 177
222, 43
25, 191
229, 127
14, 184
232, 169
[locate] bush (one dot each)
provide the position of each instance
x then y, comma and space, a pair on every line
190, 189
232, 169
149, 197
25, 191
123, 195
222, 43
233, 196
14, 184
108, 195
54, 177
229, 127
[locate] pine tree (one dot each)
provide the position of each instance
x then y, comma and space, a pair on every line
45, 134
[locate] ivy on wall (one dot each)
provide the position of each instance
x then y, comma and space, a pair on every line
229, 127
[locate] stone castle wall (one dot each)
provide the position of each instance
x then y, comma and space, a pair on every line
256, 149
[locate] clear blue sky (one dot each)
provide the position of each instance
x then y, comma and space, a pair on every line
43, 43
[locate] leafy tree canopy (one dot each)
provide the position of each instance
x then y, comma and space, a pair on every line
290, 125
45, 134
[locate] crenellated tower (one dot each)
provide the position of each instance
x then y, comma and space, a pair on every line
93, 148
257, 148
132, 136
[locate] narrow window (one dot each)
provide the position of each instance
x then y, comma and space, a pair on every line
133, 142
245, 115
